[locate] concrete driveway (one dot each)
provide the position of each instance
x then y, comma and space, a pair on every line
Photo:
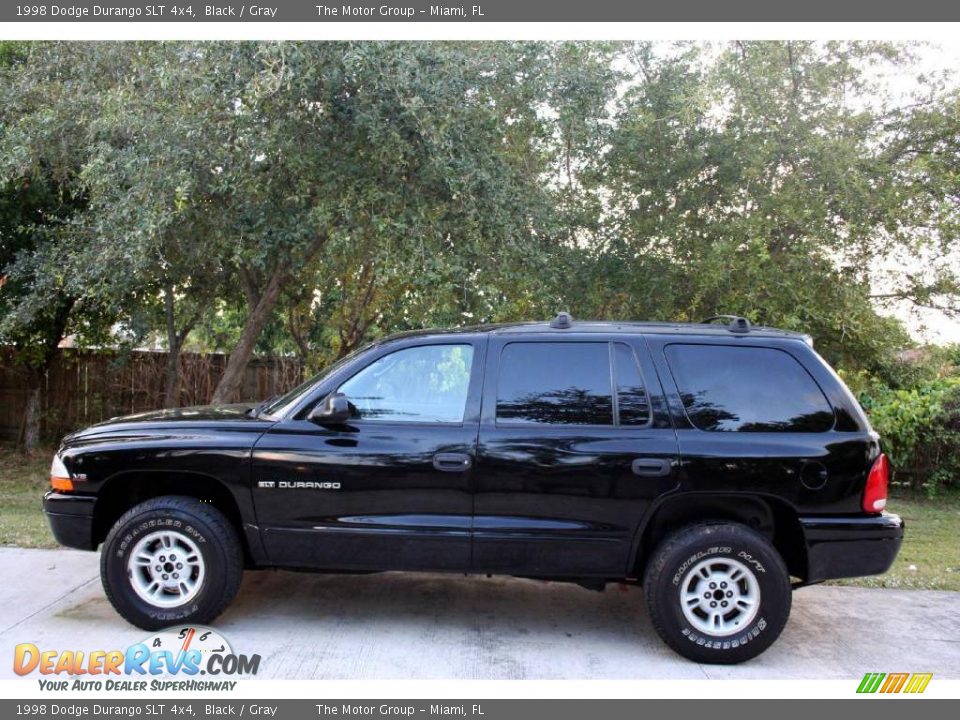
400, 625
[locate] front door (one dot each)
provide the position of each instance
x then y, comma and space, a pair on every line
390, 489
575, 442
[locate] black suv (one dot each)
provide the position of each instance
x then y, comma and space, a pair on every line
719, 466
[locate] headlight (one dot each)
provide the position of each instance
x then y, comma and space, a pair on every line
59, 475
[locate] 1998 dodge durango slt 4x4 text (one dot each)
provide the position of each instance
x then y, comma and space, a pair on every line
711, 463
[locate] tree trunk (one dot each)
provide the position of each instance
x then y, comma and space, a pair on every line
261, 304
37, 371
229, 384
31, 414
296, 326
171, 388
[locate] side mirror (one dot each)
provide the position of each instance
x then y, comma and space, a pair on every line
334, 409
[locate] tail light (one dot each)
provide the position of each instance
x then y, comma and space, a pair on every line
875, 493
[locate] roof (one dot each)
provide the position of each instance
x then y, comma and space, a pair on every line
628, 327
612, 326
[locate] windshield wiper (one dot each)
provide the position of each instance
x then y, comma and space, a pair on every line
261, 406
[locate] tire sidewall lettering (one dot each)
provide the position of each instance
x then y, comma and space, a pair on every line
748, 558
129, 539
696, 557
727, 643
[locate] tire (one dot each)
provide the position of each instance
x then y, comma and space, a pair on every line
698, 560
199, 573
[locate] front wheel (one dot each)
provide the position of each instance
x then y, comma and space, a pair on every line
171, 560
717, 593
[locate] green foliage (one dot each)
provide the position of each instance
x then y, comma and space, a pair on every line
237, 176
307, 197
919, 427
764, 180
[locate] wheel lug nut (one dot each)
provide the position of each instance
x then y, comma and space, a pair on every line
179, 566
167, 577
706, 594
713, 604
159, 568
162, 558
176, 575
713, 585
729, 593
723, 604
723, 585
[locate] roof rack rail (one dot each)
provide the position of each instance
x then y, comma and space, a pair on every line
736, 323
563, 321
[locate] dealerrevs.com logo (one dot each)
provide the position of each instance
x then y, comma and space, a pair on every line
153, 664
888, 683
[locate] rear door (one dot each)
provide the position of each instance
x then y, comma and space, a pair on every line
575, 442
751, 417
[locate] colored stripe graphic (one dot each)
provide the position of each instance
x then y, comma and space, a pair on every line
870, 682
918, 683
894, 682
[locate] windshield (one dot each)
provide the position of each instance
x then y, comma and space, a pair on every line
282, 403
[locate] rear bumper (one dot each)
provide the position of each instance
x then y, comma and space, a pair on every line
839, 547
71, 519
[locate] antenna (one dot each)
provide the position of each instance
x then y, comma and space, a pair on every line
563, 321
737, 324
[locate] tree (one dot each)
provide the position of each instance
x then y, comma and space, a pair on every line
541, 100
36, 296
306, 197
760, 182
273, 151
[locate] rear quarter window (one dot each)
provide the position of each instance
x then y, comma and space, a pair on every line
747, 389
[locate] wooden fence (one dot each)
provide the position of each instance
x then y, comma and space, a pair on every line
87, 386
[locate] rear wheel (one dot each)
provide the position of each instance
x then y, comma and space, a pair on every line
171, 560
717, 593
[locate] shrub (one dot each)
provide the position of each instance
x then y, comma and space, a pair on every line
919, 427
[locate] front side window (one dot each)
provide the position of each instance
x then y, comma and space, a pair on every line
418, 384
555, 383
747, 389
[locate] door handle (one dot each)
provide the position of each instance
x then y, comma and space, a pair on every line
651, 467
452, 462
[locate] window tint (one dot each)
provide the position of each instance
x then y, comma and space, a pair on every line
419, 384
632, 402
747, 389
558, 383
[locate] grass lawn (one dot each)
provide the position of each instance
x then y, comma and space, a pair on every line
929, 559
23, 480
930, 556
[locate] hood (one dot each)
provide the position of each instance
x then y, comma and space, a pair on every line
200, 412
172, 419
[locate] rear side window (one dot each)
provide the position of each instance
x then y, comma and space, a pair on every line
555, 383
633, 404
747, 389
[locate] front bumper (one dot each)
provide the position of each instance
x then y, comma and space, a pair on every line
839, 547
70, 518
